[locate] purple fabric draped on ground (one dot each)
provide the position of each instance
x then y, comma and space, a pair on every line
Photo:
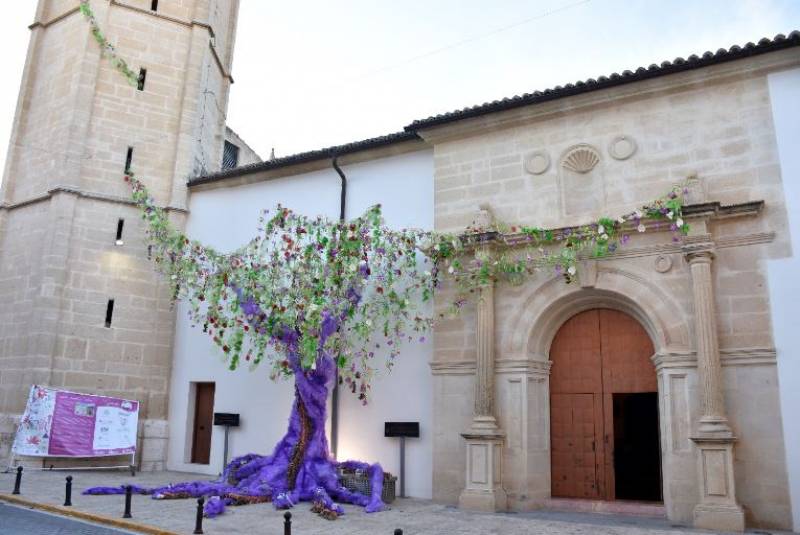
299, 469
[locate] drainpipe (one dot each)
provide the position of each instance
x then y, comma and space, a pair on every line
335, 394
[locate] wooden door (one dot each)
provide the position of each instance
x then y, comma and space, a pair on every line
595, 354
203, 418
574, 453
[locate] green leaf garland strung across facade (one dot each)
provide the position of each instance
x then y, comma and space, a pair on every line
300, 271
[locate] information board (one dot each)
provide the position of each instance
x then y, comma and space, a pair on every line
58, 423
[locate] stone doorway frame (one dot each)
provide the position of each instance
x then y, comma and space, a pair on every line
508, 457
545, 309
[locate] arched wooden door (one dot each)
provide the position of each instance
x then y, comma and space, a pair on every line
604, 409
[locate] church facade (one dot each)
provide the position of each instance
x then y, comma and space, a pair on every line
662, 381
657, 377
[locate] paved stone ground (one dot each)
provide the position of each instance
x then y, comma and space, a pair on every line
414, 517
21, 521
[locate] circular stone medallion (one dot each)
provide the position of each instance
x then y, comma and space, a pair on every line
537, 162
663, 263
622, 147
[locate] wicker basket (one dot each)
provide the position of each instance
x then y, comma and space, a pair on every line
358, 481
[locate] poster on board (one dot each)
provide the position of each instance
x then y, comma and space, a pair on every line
57, 423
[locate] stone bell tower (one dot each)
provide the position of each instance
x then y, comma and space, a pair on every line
81, 307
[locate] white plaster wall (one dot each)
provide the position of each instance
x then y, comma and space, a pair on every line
784, 283
226, 218
403, 185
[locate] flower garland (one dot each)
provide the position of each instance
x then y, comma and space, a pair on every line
106, 47
531, 249
355, 291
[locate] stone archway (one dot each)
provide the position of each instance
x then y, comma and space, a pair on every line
530, 326
604, 409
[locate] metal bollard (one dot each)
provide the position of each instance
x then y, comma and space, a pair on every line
68, 493
398, 531
198, 523
287, 523
128, 494
18, 480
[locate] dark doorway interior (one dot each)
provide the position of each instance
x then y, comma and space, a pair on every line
203, 416
637, 453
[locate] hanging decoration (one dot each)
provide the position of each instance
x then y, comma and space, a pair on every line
314, 299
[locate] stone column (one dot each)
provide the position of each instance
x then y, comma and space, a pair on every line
483, 412
717, 509
484, 490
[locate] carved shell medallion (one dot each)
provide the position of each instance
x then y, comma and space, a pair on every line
580, 159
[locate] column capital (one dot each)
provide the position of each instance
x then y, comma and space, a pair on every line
698, 249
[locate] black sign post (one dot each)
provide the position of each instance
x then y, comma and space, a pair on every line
402, 430
228, 420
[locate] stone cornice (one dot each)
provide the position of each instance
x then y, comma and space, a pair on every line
705, 211
674, 248
668, 359
218, 61
753, 356
453, 367
526, 366
708, 210
161, 16
502, 366
39, 24
71, 190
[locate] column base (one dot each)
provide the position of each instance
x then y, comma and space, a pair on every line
717, 509
714, 427
490, 501
484, 487
719, 517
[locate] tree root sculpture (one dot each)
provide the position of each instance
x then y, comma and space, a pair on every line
299, 469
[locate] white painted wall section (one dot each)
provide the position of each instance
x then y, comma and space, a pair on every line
784, 273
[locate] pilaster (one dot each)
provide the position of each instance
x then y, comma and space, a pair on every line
484, 486
714, 439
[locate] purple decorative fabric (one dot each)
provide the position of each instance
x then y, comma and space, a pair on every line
300, 468
253, 478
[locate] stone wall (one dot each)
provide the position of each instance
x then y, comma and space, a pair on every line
63, 196
714, 123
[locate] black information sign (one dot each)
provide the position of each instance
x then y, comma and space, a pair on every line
227, 419
401, 429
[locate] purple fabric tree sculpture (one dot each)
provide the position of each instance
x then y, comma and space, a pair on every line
318, 301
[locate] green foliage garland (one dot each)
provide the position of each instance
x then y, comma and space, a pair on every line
106, 47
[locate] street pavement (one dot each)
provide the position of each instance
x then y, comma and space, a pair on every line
16, 520
413, 516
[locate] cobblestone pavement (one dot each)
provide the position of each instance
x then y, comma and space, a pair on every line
414, 517
21, 521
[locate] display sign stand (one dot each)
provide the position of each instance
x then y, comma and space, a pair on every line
58, 424
402, 430
228, 420
12, 464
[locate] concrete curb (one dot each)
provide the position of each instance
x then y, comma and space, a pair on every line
91, 517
